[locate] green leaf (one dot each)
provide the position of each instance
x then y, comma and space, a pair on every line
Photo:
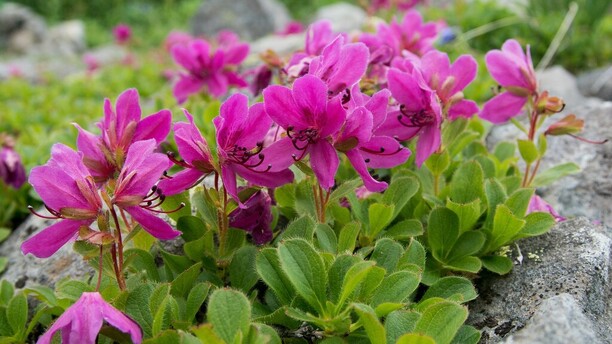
344, 189
528, 150
451, 130
405, 229
142, 261
487, 164
457, 288
399, 192
555, 173
467, 213
415, 338
467, 183
236, 238
17, 312
185, 280
269, 269
42, 293
207, 335
242, 271
172, 203
396, 287
496, 194
260, 333
6, 292
505, 227
176, 263
371, 283
367, 317
400, 322
387, 254
354, 276
71, 289
137, 307
464, 139
337, 274
205, 206
192, 227
229, 311
467, 264
304, 198
195, 300
305, 269
469, 243
504, 151
414, 256
326, 238
441, 321
442, 231
437, 163
499, 264
348, 237
467, 335
303, 227
536, 223
519, 201
4, 233
542, 145
380, 215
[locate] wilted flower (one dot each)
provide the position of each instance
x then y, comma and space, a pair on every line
122, 33
209, 67
81, 322
255, 217
260, 77
537, 204
69, 193
513, 70
567, 125
12, 171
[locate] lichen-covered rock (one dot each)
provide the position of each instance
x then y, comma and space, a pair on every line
558, 320
573, 258
26, 271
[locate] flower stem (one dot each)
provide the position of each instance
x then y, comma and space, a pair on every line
534, 171
100, 266
118, 259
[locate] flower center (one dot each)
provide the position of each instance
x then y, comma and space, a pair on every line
242, 156
301, 139
415, 119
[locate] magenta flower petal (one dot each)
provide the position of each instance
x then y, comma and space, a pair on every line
93, 157
377, 105
502, 107
255, 217
537, 204
429, 142
463, 108
267, 179
310, 95
228, 177
231, 116
255, 126
152, 224
384, 152
56, 188
405, 89
464, 71
360, 166
359, 125
436, 67
191, 144
81, 322
128, 110
156, 126
281, 107
180, 182
185, 87
331, 121
324, 162
46, 242
279, 155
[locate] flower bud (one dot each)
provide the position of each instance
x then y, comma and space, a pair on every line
548, 105
566, 126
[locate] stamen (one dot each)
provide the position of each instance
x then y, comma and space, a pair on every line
181, 206
177, 162
54, 213
416, 120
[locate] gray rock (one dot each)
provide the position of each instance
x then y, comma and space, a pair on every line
282, 45
250, 19
20, 28
65, 39
597, 83
558, 320
573, 258
26, 271
343, 16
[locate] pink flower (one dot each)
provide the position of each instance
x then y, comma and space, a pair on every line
291, 28
340, 65
240, 134
419, 113
69, 193
537, 204
12, 171
362, 148
122, 33
446, 79
310, 121
104, 155
81, 322
197, 160
318, 35
212, 69
91, 62
513, 70
135, 191
176, 38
